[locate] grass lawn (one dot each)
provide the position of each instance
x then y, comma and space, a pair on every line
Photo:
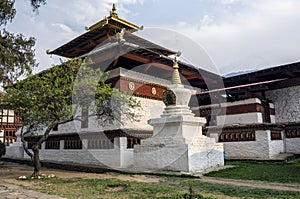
172, 186
168, 187
263, 171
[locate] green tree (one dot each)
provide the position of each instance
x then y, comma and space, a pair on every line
16, 51
56, 97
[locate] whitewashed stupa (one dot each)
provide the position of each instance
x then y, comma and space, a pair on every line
177, 143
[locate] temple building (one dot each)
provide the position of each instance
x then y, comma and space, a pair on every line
256, 115
136, 65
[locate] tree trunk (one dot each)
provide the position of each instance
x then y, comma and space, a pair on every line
36, 150
36, 160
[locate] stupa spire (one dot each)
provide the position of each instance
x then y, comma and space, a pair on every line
175, 77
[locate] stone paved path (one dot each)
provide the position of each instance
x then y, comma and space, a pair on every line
10, 191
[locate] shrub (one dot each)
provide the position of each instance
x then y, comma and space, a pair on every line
2, 149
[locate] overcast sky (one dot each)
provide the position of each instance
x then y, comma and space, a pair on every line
238, 35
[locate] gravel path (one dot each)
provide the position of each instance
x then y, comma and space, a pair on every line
252, 184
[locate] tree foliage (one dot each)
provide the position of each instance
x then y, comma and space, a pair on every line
35, 4
56, 97
7, 11
16, 56
16, 51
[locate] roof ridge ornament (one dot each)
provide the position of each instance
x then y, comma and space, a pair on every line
113, 12
120, 36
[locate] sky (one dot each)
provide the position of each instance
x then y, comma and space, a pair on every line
238, 35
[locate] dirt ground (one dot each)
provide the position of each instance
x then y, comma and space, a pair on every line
11, 171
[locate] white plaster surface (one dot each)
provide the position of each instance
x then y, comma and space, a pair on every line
287, 103
273, 119
245, 118
277, 146
262, 148
292, 145
149, 109
236, 103
118, 157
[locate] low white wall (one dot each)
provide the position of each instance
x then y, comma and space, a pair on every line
262, 148
118, 157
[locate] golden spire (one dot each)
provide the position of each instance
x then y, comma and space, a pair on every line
113, 11
176, 77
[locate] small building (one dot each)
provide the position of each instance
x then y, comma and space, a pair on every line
10, 123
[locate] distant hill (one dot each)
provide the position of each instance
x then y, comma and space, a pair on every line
239, 73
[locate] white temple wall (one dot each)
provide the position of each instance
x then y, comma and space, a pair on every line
150, 108
238, 118
262, 148
292, 145
272, 116
287, 103
277, 146
241, 102
244, 118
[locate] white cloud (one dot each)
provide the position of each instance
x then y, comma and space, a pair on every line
229, 1
181, 23
63, 27
206, 20
225, 2
236, 33
60, 21
266, 34
131, 1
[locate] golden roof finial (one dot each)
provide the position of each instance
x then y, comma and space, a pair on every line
175, 76
113, 11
